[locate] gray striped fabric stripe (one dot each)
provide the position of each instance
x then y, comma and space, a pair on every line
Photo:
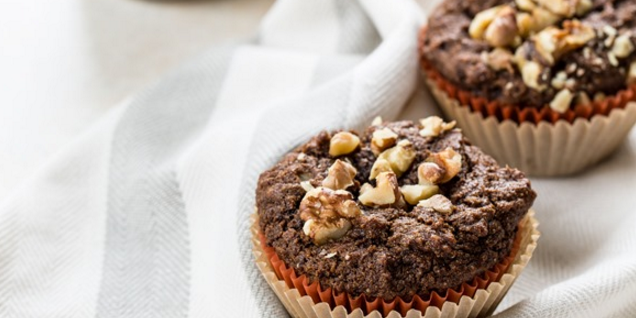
146, 271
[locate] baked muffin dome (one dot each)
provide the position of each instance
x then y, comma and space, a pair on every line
436, 213
533, 53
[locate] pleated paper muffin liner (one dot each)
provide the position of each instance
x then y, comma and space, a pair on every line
540, 142
543, 149
303, 299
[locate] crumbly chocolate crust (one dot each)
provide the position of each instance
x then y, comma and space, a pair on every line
448, 46
391, 251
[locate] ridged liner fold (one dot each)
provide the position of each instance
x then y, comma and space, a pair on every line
479, 298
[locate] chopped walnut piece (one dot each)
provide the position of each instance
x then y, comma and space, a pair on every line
306, 185
413, 194
377, 121
433, 126
499, 59
399, 158
612, 59
340, 176
438, 203
559, 79
525, 5
503, 30
562, 101
482, 20
383, 139
497, 26
552, 42
525, 24
583, 6
343, 143
379, 166
430, 173
326, 213
623, 46
440, 167
542, 18
530, 73
386, 192
567, 8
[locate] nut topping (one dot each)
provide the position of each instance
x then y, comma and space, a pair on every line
482, 20
560, 7
413, 194
440, 167
326, 213
379, 166
558, 81
377, 121
383, 139
541, 19
561, 101
525, 5
399, 158
386, 192
530, 71
438, 203
340, 176
623, 46
430, 173
306, 185
433, 126
503, 30
583, 6
498, 59
343, 143
552, 42
497, 25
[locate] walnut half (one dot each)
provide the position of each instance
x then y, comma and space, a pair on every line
326, 214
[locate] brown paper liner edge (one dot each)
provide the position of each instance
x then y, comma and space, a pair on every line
314, 302
515, 113
544, 149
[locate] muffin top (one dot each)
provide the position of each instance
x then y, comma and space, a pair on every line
535, 53
402, 209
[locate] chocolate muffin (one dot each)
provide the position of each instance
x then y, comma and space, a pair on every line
403, 209
535, 53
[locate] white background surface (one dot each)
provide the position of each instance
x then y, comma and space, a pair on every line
63, 64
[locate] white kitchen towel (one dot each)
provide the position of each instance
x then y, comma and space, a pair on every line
146, 214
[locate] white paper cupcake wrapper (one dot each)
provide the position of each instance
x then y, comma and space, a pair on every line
483, 303
545, 149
